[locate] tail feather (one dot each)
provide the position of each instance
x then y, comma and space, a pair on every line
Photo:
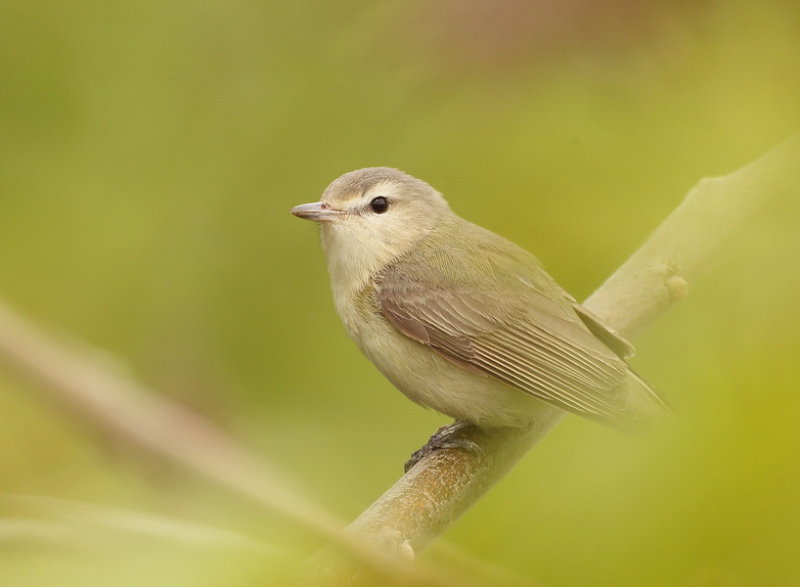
640, 406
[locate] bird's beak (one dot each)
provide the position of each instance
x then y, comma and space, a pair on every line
316, 211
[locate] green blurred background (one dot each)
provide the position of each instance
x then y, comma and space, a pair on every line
150, 152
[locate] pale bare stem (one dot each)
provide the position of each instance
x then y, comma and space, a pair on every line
46, 520
99, 393
435, 492
706, 222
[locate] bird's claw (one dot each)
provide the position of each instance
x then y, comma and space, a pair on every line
450, 436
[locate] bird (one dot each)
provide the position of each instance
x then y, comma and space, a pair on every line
462, 320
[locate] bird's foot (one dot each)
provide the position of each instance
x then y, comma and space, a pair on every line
450, 436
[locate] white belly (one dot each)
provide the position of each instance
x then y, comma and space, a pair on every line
435, 382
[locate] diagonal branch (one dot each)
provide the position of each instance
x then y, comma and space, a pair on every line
441, 487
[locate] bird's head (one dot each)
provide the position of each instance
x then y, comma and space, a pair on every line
373, 215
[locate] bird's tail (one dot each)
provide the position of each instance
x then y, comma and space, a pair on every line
641, 407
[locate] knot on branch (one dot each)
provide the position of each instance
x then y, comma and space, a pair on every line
677, 287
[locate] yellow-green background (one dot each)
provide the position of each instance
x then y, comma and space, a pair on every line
150, 152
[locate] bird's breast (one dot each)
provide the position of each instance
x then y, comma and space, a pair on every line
427, 378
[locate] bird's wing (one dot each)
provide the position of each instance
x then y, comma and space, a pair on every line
610, 337
537, 343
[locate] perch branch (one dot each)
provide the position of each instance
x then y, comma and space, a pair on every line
436, 491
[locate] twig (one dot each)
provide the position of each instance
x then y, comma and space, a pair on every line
68, 519
435, 492
86, 382
99, 393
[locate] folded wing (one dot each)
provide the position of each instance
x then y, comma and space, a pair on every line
534, 339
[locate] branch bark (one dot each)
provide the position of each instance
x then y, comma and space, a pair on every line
435, 492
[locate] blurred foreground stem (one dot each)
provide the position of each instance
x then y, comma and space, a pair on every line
95, 390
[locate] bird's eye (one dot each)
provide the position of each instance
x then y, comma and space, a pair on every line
379, 205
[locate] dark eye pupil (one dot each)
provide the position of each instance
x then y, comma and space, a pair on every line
379, 205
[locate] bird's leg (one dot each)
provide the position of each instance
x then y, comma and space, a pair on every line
450, 436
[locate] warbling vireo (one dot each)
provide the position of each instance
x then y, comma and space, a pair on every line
462, 320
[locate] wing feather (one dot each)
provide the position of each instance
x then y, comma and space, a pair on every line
563, 381
539, 344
